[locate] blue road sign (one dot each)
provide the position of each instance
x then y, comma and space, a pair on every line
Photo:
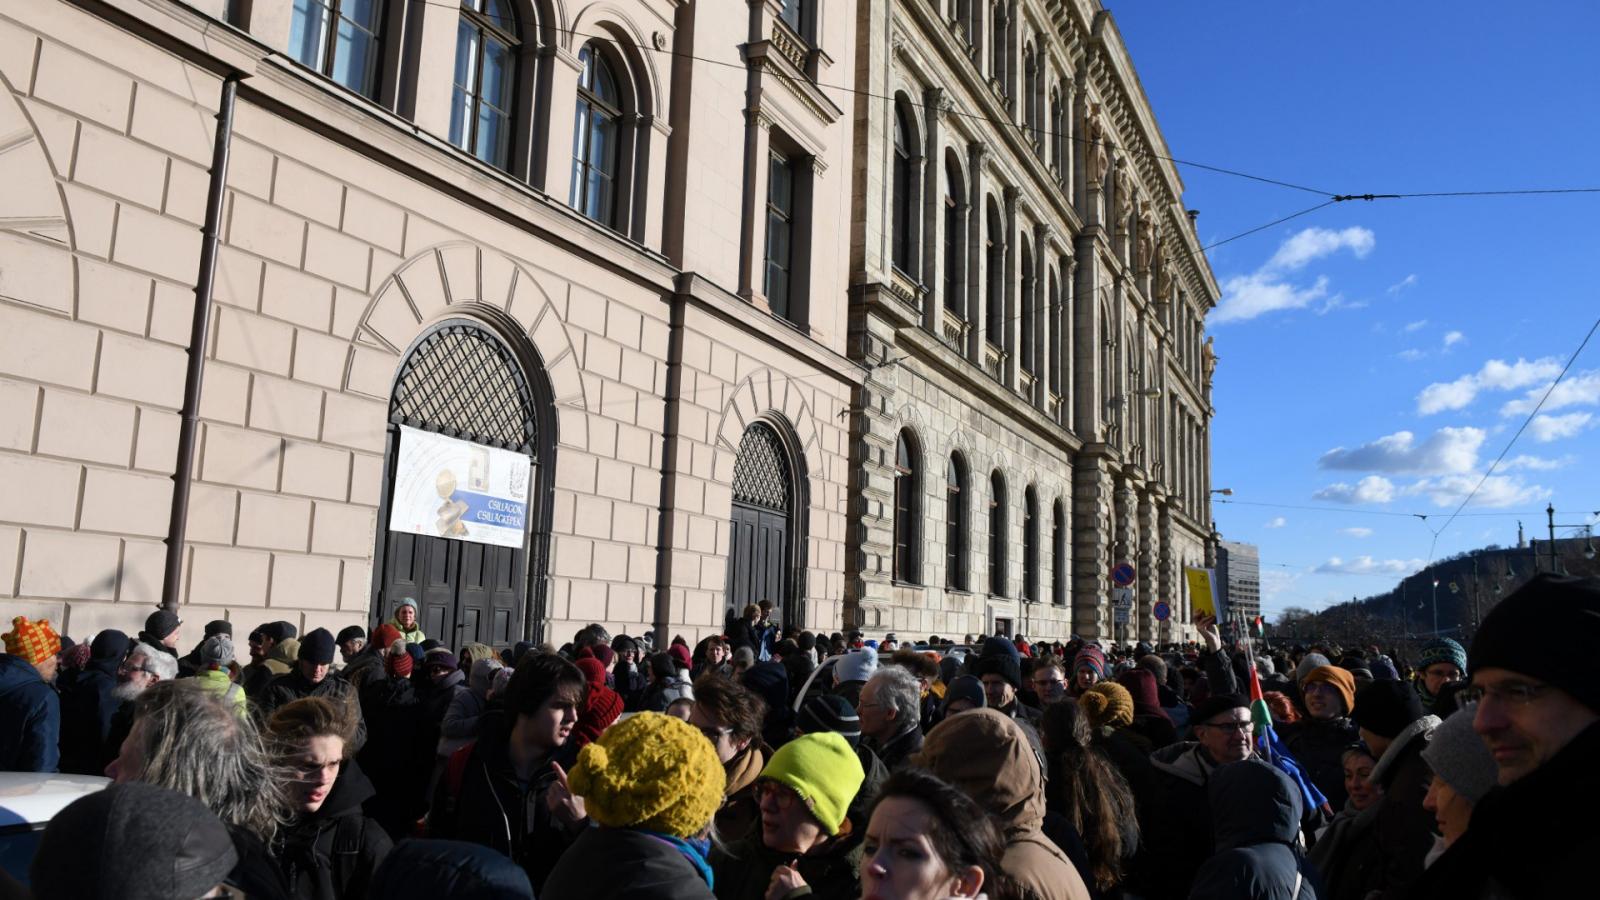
1122, 575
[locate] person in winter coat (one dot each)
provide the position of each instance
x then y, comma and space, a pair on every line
370, 659
1443, 661
329, 850
1255, 813
1464, 771
427, 870
273, 651
1392, 724
1318, 740
162, 630
985, 755
30, 711
1536, 705
731, 717
132, 842
805, 844
770, 681
630, 675
891, 716
927, 840
1149, 719
1088, 670
1346, 850
651, 785
190, 663
211, 670
850, 674
742, 631
87, 708
313, 677
1084, 787
1177, 826
405, 621
825, 712
351, 640
601, 705
187, 738
504, 790
397, 757
465, 713
667, 684
999, 667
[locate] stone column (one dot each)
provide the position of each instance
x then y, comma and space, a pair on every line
1042, 363
1010, 292
976, 302
1149, 576
933, 299
1086, 374
1091, 550
1167, 562
753, 230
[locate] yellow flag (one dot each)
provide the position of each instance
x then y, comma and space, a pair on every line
1202, 593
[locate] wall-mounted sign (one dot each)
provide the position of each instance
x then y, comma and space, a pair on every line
449, 488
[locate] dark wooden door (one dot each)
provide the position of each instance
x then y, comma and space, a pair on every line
465, 592
758, 556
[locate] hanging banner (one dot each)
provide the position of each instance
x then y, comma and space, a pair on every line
1202, 592
449, 488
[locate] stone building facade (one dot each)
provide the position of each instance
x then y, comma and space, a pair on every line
1028, 295
606, 236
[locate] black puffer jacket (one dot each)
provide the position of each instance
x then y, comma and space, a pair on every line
425, 870
624, 864
1255, 813
396, 757
294, 686
1318, 745
87, 707
332, 853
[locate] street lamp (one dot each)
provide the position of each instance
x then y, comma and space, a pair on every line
1435, 606
1226, 492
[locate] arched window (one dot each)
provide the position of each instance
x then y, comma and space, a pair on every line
595, 137
905, 201
1059, 543
1053, 315
1028, 309
485, 80
1058, 134
997, 534
955, 524
955, 238
1000, 29
1030, 545
995, 259
341, 39
1030, 89
907, 511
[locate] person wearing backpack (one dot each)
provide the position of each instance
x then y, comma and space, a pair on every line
330, 849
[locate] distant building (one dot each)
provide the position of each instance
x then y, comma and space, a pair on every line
1239, 578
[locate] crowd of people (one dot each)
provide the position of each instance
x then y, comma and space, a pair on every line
768, 763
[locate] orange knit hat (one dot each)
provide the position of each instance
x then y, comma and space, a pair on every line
33, 641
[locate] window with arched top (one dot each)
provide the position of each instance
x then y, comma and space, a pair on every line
999, 47
1030, 90
1058, 134
994, 243
907, 511
1030, 545
340, 39
481, 104
905, 200
955, 524
1026, 356
1054, 315
596, 137
955, 237
997, 534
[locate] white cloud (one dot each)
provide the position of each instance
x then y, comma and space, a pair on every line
1495, 375
1366, 565
1534, 463
1315, 243
1411, 355
1371, 489
1266, 290
1583, 389
1412, 327
1278, 522
1357, 532
1453, 338
1497, 492
1403, 283
1553, 428
1448, 450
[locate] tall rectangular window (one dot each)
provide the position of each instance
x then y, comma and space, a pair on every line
339, 39
780, 233
485, 80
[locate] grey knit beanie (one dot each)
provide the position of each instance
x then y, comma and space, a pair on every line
1311, 661
1458, 755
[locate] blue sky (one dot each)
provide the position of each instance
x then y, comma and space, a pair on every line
1376, 357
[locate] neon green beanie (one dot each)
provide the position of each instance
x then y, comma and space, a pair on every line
823, 770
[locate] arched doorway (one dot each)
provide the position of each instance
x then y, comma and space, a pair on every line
761, 555
464, 521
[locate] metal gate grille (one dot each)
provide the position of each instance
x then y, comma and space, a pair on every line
462, 381
761, 473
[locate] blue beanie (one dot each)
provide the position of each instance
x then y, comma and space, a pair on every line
1442, 650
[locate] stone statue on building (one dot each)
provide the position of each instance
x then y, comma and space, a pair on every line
1208, 359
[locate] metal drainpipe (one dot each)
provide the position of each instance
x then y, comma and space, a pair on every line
198, 333
669, 465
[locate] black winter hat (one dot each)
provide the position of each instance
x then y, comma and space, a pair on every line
1385, 708
352, 633
219, 626
109, 644
830, 712
161, 623
277, 631
132, 842
317, 647
1515, 634
999, 657
1217, 704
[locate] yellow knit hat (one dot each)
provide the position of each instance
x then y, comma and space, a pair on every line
650, 771
1107, 704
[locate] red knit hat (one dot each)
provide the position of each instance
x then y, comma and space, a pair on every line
384, 635
682, 654
593, 671
601, 707
33, 641
398, 665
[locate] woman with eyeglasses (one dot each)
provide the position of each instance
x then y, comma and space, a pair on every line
329, 849
805, 843
926, 840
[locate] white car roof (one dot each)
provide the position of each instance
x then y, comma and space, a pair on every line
32, 798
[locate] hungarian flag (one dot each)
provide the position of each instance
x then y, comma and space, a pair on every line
1258, 626
1271, 747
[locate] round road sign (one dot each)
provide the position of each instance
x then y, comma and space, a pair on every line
1162, 611
1122, 575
